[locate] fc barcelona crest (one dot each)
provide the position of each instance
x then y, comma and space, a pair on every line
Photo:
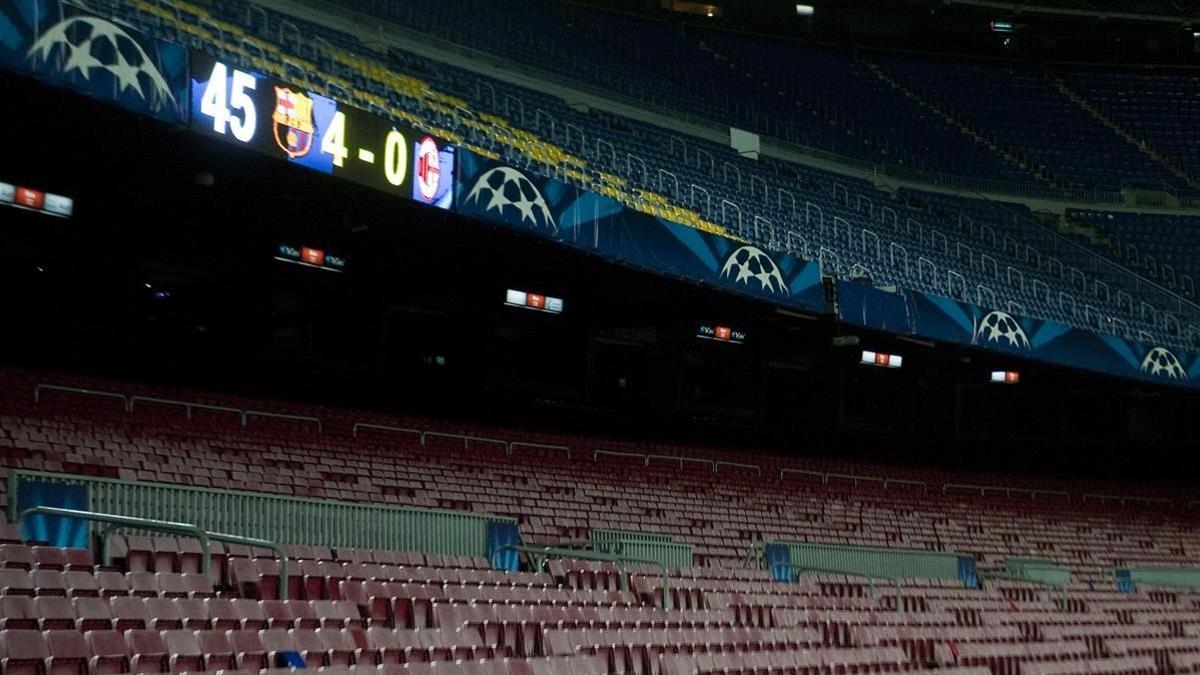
293, 122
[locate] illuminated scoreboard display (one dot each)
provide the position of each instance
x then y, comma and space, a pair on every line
719, 333
317, 132
30, 199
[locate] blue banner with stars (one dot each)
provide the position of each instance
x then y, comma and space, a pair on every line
520, 199
941, 318
100, 57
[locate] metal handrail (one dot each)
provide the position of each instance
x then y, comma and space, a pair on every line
381, 427
37, 393
187, 406
539, 446
540, 554
739, 465
465, 438
869, 577
118, 521
681, 459
988, 576
247, 414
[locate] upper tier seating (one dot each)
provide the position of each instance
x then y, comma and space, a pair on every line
1025, 112
1156, 106
847, 223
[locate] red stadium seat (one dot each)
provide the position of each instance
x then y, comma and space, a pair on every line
17, 556
193, 613
69, 653
50, 558
164, 614
81, 584
17, 612
130, 613
110, 655
148, 652
49, 582
23, 652
112, 584
55, 613
16, 582
93, 614
184, 649
248, 650
217, 651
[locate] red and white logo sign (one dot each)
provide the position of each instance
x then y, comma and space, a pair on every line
312, 256
31, 199
723, 333
536, 301
429, 170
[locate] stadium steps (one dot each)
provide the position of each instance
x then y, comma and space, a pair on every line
904, 90
1109, 122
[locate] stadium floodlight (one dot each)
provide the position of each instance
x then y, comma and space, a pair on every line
805, 10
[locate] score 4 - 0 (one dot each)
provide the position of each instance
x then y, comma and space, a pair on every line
395, 148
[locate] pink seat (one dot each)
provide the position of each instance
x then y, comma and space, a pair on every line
165, 551
275, 642
191, 557
79, 559
130, 613
243, 575
278, 614
250, 613
81, 584
170, 585
340, 646
110, 655
305, 616
139, 554
55, 613
382, 647
192, 612
10, 533
50, 558
142, 584
311, 647
49, 582
17, 612
112, 584
69, 653
93, 614
23, 652
248, 650
218, 653
148, 652
197, 585
164, 614
222, 614
184, 648
17, 556
16, 582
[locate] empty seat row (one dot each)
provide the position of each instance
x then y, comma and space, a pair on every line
74, 583
128, 613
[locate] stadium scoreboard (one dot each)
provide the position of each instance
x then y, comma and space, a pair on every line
319, 133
